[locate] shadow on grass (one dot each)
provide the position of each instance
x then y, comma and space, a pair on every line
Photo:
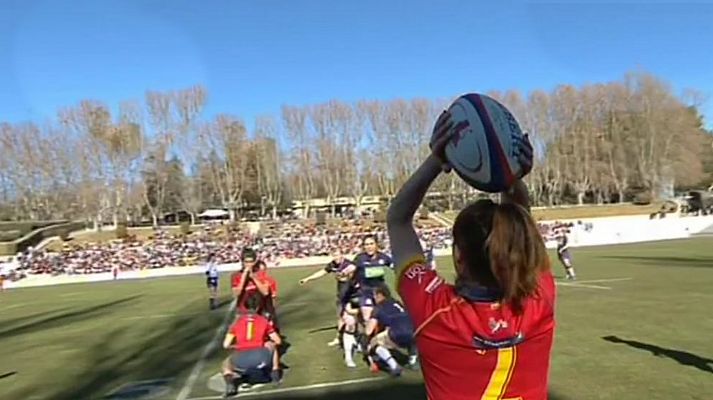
169, 351
8, 374
667, 261
64, 318
681, 357
118, 356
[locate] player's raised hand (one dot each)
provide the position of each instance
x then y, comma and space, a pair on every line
442, 133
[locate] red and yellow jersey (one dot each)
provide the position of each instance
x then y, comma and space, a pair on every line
251, 331
472, 346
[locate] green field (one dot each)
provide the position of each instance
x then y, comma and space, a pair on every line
637, 325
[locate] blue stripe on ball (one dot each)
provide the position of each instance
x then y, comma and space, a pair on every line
497, 175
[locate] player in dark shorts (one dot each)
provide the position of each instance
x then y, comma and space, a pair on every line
390, 328
565, 256
343, 270
211, 277
371, 265
254, 340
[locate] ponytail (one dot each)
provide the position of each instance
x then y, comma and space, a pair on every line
516, 253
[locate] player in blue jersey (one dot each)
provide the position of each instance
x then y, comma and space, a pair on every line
371, 265
565, 256
211, 273
390, 328
343, 270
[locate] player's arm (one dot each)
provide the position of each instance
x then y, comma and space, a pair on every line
316, 275
405, 244
263, 285
275, 338
371, 327
228, 341
238, 290
564, 247
348, 271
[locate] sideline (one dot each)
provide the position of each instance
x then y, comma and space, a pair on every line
193, 377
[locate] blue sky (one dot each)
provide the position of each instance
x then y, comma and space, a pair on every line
254, 56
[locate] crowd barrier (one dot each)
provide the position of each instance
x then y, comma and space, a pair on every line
603, 231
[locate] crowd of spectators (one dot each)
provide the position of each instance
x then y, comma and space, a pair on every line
275, 241
288, 240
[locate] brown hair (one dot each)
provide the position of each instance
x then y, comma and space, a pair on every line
501, 249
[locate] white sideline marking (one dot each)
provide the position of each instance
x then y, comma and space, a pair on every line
71, 294
191, 381
573, 284
604, 280
294, 389
11, 306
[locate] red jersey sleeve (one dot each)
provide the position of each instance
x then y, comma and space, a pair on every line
273, 287
422, 290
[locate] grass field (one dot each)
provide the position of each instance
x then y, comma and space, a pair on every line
637, 325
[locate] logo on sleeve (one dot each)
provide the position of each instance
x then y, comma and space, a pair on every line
416, 272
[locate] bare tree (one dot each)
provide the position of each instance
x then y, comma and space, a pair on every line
269, 164
226, 140
302, 160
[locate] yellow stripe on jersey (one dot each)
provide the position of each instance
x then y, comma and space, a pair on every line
406, 265
502, 373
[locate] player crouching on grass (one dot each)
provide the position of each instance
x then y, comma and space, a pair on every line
390, 328
254, 340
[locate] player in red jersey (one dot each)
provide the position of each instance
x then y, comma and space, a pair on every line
250, 281
254, 341
489, 336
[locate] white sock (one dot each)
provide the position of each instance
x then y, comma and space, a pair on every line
385, 355
349, 343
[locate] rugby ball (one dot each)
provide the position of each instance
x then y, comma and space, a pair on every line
488, 149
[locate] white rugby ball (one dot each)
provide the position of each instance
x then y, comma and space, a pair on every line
486, 149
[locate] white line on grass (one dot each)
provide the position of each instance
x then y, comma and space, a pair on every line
71, 294
604, 280
579, 285
11, 306
295, 389
191, 381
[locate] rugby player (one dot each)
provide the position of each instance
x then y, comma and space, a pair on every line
390, 328
369, 271
343, 270
489, 336
211, 273
254, 341
564, 256
250, 281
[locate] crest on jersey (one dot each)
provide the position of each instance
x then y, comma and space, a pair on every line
497, 325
